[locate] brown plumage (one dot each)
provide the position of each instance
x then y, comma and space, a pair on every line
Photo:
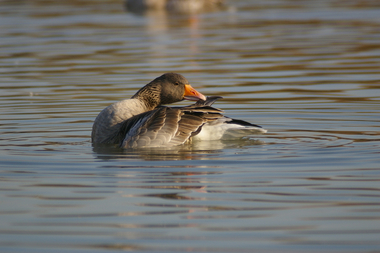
136, 120
142, 121
165, 126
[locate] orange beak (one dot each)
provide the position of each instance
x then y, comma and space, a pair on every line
192, 94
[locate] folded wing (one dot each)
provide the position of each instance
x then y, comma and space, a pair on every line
166, 126
172, 126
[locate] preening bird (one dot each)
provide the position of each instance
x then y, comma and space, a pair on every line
142, 121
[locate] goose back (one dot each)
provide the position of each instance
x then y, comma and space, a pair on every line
165, 126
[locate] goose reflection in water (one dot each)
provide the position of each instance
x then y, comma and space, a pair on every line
198, 150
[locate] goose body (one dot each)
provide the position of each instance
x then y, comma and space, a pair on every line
109, 121
182, 6
227, 129
142, 121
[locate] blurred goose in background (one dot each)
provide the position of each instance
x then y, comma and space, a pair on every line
183, 6
142, 121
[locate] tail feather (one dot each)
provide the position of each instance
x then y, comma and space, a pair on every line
240, 128
241, 123
234, 133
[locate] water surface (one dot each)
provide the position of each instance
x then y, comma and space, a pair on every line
308, 72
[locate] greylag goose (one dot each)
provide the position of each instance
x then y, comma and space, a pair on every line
183, 6
142, 121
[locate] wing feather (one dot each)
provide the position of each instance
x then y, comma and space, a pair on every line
172, 126
165, 126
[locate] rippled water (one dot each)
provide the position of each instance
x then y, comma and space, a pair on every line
306, 71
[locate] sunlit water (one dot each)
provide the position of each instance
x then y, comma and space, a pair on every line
308, 71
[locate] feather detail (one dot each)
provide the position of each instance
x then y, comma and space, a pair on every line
142, 121
165, 126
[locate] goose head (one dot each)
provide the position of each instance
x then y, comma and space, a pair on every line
166, 89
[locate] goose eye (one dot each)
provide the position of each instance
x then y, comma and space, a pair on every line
176, 83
